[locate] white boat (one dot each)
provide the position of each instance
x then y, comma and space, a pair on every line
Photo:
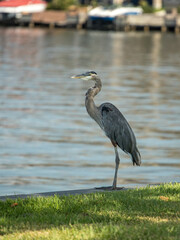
22, 6
108, 13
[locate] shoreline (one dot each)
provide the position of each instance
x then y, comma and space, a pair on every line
58, 193
77, 191
78, 19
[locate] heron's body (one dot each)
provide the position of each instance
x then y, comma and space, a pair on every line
112, 122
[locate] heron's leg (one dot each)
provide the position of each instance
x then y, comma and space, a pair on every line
117, 161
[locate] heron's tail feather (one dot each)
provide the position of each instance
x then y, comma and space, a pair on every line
136, 157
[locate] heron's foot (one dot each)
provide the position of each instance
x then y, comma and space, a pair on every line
109, 188
117, 188
104, 188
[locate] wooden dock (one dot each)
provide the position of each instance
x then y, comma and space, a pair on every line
144, 22
152, 22
73, 19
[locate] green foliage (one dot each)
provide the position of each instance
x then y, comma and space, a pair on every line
94, 3
146, 7
178, 9
145, 213
61, 4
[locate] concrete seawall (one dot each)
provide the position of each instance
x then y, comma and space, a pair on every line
73, 192
58, 193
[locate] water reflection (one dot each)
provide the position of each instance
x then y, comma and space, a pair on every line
48, 142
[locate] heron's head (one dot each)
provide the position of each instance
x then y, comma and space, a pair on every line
91, 75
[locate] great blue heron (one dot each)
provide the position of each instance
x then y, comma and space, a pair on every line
112, 122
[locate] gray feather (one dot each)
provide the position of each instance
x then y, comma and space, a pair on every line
118, 130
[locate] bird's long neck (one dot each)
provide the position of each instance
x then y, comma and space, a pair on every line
89, 101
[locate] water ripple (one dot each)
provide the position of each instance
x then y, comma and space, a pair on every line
47, 140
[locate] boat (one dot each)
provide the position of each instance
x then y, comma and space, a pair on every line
14, 12
105, 13
22, 6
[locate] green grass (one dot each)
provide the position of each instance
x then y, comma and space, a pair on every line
145, 213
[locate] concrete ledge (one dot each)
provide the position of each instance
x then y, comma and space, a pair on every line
72, 192
59, 193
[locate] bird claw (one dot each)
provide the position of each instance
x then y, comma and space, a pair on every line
109, 188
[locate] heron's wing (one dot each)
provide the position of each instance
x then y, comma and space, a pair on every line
117, 128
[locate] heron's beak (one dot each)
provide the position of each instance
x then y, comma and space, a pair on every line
78, 76
82, 76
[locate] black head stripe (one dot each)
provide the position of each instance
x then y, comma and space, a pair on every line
91, 72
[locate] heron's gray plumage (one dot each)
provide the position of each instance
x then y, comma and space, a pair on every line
117, 128
112, 122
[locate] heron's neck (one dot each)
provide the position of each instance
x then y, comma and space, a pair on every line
93, 91
89, 101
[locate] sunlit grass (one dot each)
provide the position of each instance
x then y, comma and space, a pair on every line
145, 213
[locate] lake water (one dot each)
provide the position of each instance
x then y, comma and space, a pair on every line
47, 140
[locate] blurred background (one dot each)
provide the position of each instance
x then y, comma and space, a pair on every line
47, 140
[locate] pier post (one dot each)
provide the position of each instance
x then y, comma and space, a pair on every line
51, 25
127, 28
79, 26
146, 28
177, 29
89, 23
31, 24
163, 29
133, 28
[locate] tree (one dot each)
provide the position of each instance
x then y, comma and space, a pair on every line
61, 4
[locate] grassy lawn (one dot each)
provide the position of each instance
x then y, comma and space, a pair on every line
145, 213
